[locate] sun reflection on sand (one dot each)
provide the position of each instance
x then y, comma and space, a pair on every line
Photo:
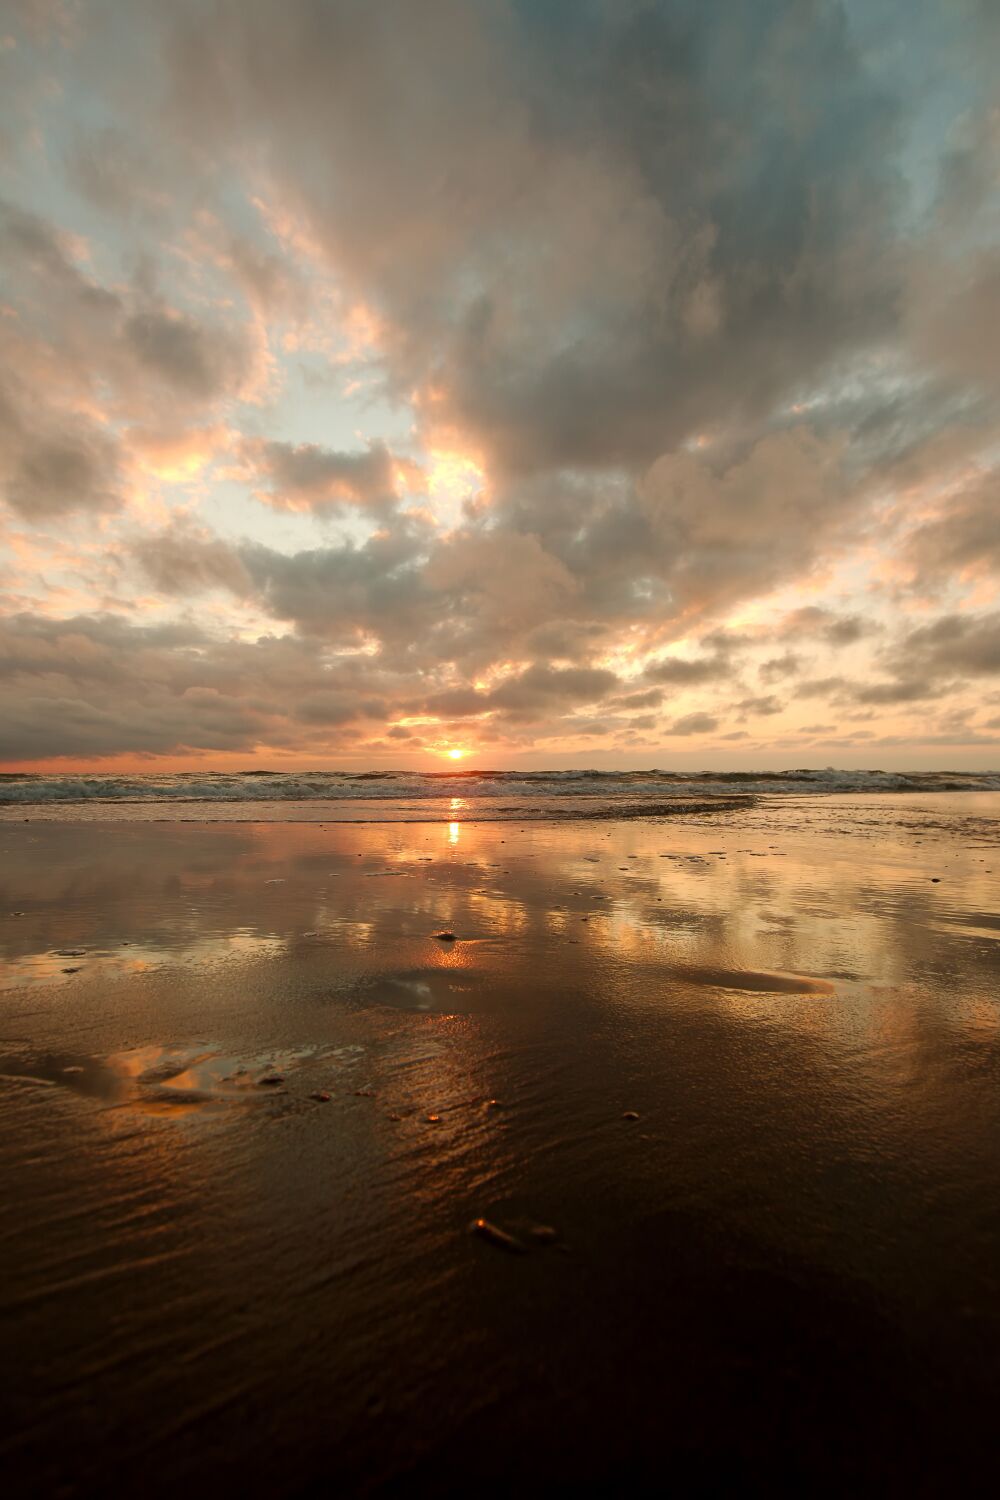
572, 903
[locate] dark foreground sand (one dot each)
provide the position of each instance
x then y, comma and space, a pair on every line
783, 1273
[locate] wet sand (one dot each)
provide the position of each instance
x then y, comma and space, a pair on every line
729, 1084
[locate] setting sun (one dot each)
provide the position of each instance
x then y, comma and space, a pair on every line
456, 754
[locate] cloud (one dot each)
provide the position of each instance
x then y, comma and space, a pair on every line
304, 476
193, 358
905, 690
694, 724
538, 688
52, 464
966, 645
965, 538
188, 560
824, 624
687, 671
757, 706
96, 685
777, 668
695, 299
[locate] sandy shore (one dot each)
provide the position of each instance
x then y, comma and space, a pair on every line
729, 1085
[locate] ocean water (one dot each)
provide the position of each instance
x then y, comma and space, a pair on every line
433, 795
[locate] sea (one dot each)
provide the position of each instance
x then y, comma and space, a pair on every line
432, 796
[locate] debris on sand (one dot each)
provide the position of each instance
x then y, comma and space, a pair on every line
445, 937
544, 1234
270, 1080
630, 1114
494, 1235
320, 1095
434, 1119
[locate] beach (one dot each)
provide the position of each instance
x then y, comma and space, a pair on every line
722, 1086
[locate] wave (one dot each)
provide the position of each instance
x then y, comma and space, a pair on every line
27, 788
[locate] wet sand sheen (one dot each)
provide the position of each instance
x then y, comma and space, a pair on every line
733, 1109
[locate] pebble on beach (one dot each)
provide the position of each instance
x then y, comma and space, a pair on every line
494, 1235
445, 937
270, 1080
630, 1114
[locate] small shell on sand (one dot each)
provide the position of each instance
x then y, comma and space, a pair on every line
494, 1235
434, 1119
630, 1114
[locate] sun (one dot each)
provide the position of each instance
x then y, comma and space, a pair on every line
456, 753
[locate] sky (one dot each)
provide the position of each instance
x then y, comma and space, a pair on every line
538, 383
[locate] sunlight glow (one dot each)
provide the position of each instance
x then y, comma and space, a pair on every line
456, 753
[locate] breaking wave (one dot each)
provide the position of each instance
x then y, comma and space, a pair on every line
26, 789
